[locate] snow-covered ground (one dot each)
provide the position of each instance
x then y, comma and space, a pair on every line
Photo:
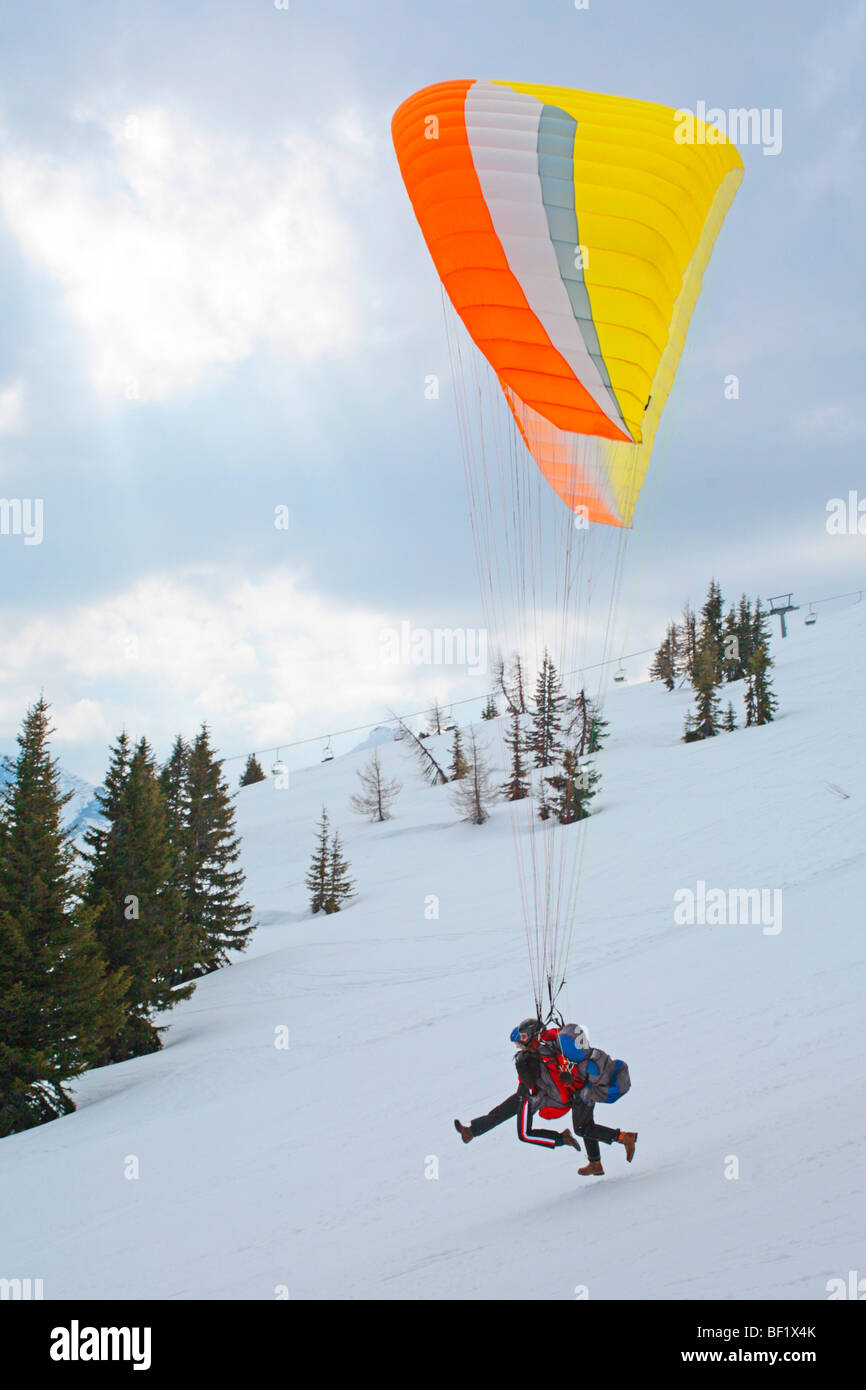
332, 1167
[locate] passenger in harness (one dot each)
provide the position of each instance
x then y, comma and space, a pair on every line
558, 1071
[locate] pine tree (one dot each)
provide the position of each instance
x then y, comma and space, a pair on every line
710, 631
744, 631
586, 729
253, 772
687, 641
139, 922
173, 782
664, 667
729, 722
473, 795
339, 886
436, 719
575, 787
544, 741
211, 886
375, 800
431, 770
518, 684
500, 682
760, 629
517, 787
704, 722
459, 766
732, 664
58, 1001
319, 870
108, 796
490, 711
761, 702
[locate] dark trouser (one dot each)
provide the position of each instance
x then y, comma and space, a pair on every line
589, 1131
519, 1105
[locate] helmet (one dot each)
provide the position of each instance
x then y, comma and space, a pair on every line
527, 1030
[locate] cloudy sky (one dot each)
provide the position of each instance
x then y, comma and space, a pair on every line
216, 303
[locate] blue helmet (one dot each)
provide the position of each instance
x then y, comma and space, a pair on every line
527, 1030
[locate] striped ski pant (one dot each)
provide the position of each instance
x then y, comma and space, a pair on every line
518, 1105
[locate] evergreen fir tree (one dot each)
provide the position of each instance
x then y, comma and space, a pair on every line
761, 702
473, 795
173, 782
760, 630
664, 667
253, 772
459, 766
517, 787
518, 684
732, 664
729, 722
211, 885
543, 741
586, 729
374, 801
490, 711
108, 796
704, 722
745, 635
139, 922
574, 788
687, 642
339, 885
319, 870
58, 1001
711, 625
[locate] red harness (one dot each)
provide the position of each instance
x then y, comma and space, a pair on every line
563, 1077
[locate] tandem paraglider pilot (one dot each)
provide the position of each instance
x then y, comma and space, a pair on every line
558, 1071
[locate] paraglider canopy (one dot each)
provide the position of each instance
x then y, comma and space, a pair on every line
571, 231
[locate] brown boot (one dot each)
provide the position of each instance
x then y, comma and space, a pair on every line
568, 1138
464, 1131
629, 1140
592, 1170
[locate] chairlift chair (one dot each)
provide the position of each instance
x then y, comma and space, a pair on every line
620, 675
811, 618
279, 767
328, 753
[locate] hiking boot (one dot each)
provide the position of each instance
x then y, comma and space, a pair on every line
629, 1139
592, 1170
464, 1131
568, 1138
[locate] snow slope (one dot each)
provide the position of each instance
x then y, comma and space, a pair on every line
308, 1167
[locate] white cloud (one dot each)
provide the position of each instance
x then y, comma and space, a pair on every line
178, 251
11, 407
257, 659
